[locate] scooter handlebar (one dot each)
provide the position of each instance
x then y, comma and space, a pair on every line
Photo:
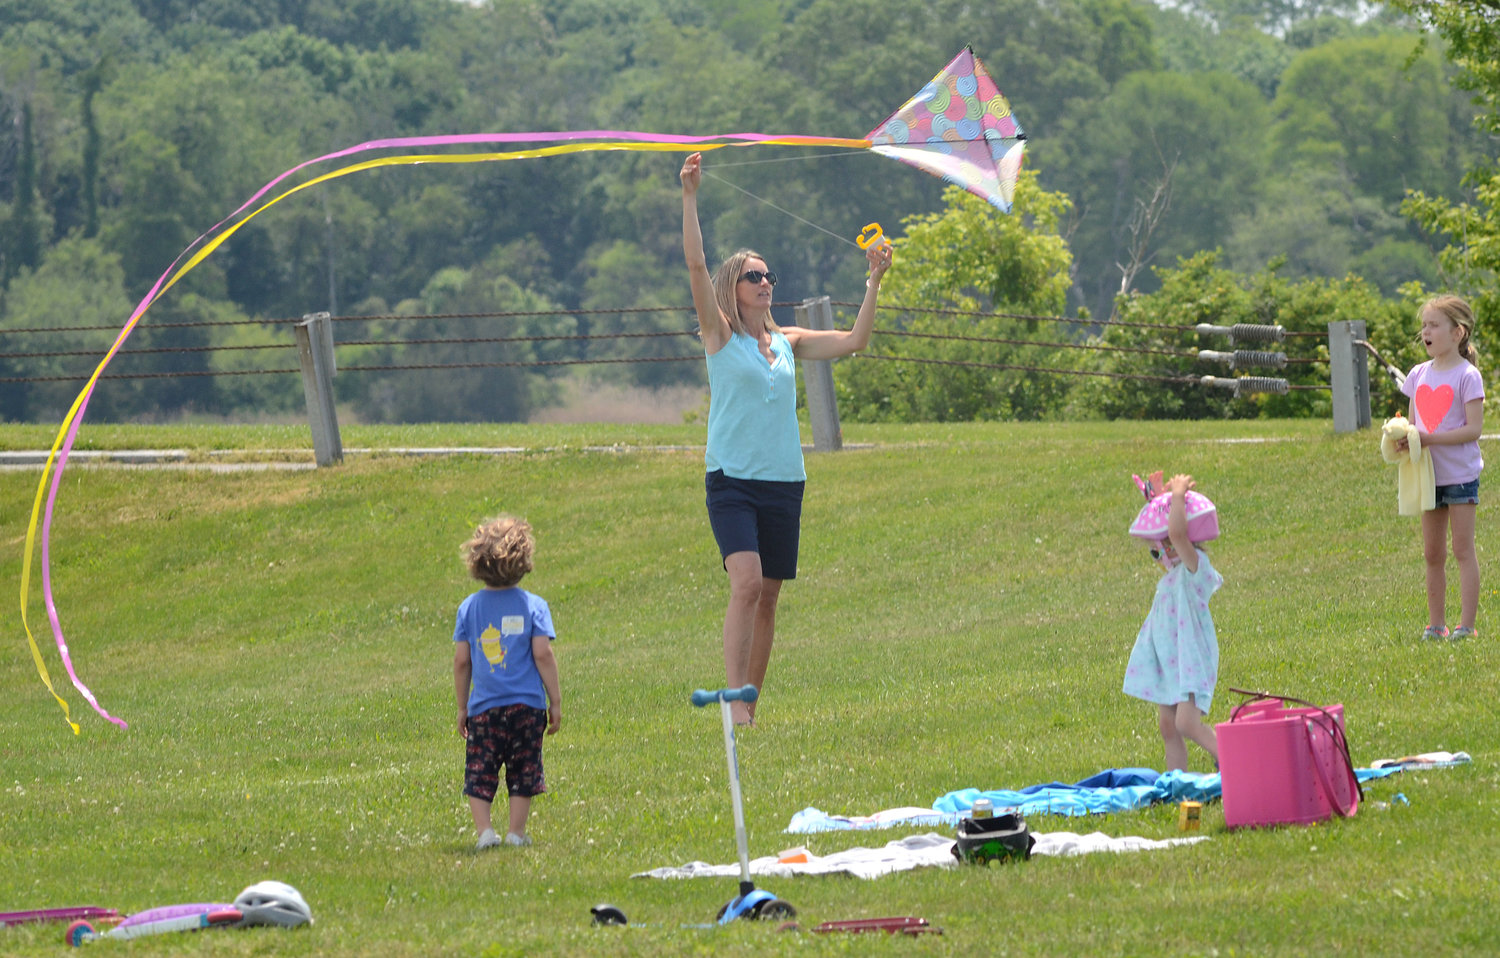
746, 693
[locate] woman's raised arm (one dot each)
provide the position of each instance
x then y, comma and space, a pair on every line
712, 325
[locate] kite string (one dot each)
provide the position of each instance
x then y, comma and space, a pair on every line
795, 159
773, 206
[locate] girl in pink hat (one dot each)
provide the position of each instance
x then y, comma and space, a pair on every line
1175, 661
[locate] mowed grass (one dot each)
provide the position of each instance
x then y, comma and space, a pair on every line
280, 643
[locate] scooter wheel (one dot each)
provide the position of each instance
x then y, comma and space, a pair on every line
78, 933
776, 910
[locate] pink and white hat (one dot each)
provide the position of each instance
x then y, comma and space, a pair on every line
1151, 522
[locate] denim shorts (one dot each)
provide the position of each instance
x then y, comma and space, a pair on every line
1460, 494
756, 515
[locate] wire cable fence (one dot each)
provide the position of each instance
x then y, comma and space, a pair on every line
15, 358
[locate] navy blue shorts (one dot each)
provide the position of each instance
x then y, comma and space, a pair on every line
1459, 494
756, 515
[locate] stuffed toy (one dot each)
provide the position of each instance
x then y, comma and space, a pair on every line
1416, 487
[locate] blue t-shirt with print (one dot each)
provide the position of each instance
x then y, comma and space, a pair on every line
499, 625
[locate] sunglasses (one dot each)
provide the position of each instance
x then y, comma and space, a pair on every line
755, 276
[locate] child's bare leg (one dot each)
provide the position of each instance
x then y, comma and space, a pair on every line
1176, 748
480, 809
520, 808
1462, 519
1435, 557
1190, 724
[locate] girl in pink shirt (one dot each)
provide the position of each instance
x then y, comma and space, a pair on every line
1447, 405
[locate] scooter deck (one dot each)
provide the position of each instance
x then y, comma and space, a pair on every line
905, 925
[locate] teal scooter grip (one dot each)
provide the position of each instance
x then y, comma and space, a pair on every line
746, 693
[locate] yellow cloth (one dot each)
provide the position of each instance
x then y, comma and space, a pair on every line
1416, 487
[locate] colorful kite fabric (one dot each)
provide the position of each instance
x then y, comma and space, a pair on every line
931, 130
959, 127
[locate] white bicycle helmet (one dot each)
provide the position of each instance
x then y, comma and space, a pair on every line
273, 903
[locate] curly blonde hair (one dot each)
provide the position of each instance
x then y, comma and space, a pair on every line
499, 553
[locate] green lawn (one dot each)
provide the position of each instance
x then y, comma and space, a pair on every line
280, 644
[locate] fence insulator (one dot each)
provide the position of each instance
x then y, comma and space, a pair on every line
1245, 385
1256, 333
1261, 384
1244, 358
1243, 332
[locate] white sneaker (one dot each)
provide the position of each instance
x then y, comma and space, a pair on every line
511, 838
488, 839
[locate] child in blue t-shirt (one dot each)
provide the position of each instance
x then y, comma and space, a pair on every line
505, 677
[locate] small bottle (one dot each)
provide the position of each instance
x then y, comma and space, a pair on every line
983, 808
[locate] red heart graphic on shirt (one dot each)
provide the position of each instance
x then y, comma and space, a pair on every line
1433, 405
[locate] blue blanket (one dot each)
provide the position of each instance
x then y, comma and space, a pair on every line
1112, 790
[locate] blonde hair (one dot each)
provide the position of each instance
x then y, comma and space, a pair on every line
726, 278
1458, 312
499, 553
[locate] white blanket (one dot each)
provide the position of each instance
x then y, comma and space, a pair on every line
1425, 760
915, 851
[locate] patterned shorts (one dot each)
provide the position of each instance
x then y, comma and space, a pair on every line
510, 735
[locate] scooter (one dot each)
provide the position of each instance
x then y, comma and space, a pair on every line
751, 902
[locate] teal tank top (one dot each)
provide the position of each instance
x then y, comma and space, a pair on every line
752, 412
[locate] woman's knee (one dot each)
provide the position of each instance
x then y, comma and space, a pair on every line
770, 591
744, 577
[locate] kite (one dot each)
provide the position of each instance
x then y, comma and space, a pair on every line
959, 127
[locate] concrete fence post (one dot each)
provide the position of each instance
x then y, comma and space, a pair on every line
315, 352
1349, 375
817, 379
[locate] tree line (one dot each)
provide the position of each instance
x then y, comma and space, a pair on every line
1186, 162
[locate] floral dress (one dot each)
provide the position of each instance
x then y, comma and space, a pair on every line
1176, 653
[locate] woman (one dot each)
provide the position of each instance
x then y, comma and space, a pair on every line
754, 459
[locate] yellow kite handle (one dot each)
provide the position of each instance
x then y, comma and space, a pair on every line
869, 236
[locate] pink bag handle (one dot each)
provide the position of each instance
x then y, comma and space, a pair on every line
1335, 732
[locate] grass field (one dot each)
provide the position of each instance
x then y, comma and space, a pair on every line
280, 644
